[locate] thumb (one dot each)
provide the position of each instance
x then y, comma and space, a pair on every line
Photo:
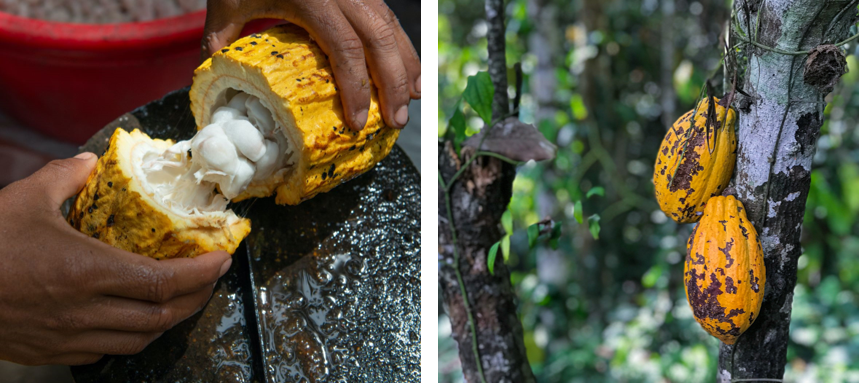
62, 179
221, 30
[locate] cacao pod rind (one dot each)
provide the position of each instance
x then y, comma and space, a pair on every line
699, 174
724, 272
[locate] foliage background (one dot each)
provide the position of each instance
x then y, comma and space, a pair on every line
604, 80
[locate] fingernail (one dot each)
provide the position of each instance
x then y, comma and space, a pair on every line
85, 156
226, 267
402, 116
361, 118
418, 84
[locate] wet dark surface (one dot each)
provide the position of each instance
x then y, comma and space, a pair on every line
334, 281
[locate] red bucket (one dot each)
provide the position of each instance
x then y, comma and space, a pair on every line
69, 80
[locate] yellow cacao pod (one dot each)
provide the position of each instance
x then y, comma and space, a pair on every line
692, 165
724, 273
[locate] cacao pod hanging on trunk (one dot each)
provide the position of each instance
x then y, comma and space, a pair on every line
695, 161
724, 272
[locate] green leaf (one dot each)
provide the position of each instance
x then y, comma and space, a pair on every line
533, 233
507, 222
478, 93
649, 278
553, 237
599, 190
505, 247
457, 125
594, 225
490, 261
577, 106
577, 212
556, 231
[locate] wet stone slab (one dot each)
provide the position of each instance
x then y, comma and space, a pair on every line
334, 283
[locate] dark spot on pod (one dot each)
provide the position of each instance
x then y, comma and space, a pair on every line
189, 153
352, 148
123, 189
95, 235
253, 43
153, 229
266, 40
324, 176
298, 79
239, 49
256, 35
95, 197
326, 80
280, 56
334, 127
729, 286
95, 207
273, 53
110, 221
225, 50
110, 184
336, 88
72, 222
82, 215
89, 210
331, 171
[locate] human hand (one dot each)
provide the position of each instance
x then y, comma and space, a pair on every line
66, 298
347, 30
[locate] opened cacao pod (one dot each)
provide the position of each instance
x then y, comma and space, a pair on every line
724, 273
270, 123
695, 162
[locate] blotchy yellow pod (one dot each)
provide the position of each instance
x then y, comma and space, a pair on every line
724, 272
703, 170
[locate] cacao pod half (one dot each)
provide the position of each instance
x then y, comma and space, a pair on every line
695, 163
724, 273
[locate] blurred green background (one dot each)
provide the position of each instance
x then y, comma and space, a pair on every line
604, 80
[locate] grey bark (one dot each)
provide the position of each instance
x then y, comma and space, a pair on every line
478, 199
778, 130
497, 60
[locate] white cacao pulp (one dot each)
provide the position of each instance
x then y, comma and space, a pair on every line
241, 144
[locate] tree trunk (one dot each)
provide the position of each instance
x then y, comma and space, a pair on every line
779, 126
478, 198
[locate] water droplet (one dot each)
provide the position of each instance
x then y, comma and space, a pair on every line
324, 277
355, 267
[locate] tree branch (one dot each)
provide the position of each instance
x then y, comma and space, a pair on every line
478, 197
497, 57
778, 137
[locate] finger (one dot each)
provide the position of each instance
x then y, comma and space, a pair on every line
140, 316
336, 37
75, 359
383, 55
410, 57
61, 179
224, 23
110, 342
122, 314
137, 277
